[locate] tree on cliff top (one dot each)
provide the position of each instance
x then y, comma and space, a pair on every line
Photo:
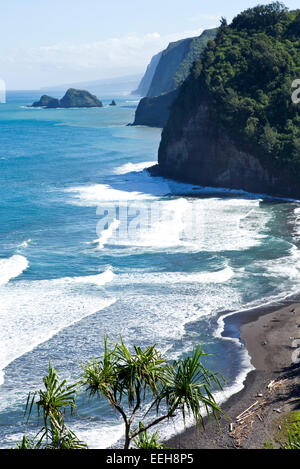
246, 74
260, 17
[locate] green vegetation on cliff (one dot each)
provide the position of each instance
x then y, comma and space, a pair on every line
174, 66
72, 98
176, 61
196, 47
246, 75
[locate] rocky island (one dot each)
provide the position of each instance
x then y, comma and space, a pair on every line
233, 123
72, 98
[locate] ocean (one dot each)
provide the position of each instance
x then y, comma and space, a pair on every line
92, 245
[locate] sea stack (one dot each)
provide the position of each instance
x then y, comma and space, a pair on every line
72, 98
47, 101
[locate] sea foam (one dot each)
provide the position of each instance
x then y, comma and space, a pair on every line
12, 268
134, 167
33, 312
107, 234
162, 218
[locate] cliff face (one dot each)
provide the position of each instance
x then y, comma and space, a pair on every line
233, 123
145, 83
172, 69
175, 63
154, 112
205, 154
163, 79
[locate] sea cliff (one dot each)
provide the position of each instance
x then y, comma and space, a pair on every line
233, 123
168, 69
145, 83
176, 61
207, 155
154, 112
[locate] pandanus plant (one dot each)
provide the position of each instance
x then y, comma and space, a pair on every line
52, 402
185, 386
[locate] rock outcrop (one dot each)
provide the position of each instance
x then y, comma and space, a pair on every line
234, 123
205, 154
72, 98
47, 101
154, 112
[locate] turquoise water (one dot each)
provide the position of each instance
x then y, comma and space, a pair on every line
91, 244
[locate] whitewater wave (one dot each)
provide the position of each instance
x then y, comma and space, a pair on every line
159, 278
134, 167
153, 214
24, 244
140, 185
285, 267
288, 269
297, 222
107, 234
12, 268
101, 436
179, 223
33, 312
211, 277
99, 279
97, 194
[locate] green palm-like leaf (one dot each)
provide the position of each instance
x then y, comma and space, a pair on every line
52, 402
100, 375
185, 386
121, 373
55, 397
189, 388
140, 371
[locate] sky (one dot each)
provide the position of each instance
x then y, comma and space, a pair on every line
51, 42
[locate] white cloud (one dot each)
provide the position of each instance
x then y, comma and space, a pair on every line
131, 50
111, 57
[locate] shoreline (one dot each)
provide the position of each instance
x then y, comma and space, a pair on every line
270, 336
155, 171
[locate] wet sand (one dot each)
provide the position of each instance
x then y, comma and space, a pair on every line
272, 338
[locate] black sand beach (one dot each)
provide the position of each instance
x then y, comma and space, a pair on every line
272, 338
